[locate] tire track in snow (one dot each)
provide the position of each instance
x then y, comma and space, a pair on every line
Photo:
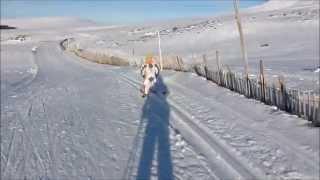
222, 163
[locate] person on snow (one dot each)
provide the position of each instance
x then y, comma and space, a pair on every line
149, 71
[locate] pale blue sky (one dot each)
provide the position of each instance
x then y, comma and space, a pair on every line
119, 11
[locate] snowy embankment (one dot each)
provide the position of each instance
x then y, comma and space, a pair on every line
284, 34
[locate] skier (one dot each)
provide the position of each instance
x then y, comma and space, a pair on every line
149, 71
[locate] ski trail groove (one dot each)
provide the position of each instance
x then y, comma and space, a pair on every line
32, 144
222, 163
283, 142
51, 155
9, 152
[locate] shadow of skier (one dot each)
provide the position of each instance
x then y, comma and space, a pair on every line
156, 143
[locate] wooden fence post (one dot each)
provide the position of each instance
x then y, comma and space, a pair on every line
181, 64
296, 102
318, 112
242, 43
160, 53
204, 57
243, 47
262, 81
218, 66
302, 104
313, 107
274, 97
178, 63
316, 121
290, 100
308, 106
283, 96
218, 60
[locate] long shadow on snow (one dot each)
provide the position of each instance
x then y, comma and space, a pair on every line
156, 144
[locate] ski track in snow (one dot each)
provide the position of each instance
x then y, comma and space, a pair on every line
258, 147
61, 125
256, 150
79, 120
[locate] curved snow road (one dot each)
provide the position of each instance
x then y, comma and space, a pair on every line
79, 120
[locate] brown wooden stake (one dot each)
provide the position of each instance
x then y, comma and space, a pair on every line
313, 107
308, 106
300, 110
242, 43
204, 57
304, 104
218, 60
262, 81
282, 91
298, 103
218, 66
318, 112
160, 52
178, 63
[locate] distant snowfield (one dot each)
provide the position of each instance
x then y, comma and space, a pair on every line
47, 22
63, 117
284, 34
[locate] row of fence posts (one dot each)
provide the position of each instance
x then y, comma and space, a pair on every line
301, 103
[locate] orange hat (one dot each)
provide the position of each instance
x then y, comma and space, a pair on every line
149, 59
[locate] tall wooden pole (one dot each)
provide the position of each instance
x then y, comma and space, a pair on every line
160, 53
242, 43
262, 81
204, 57
218, 66
218, 60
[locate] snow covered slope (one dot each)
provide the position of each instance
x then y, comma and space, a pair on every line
79, 120
282, 33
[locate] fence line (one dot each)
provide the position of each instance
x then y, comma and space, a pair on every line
302, 104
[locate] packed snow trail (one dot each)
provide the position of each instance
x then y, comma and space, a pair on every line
79, 120
250, 139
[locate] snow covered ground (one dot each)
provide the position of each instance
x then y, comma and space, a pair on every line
63, 117
284, 34
80, 120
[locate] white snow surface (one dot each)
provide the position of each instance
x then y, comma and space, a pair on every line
79, 120
284, 34
63, 117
